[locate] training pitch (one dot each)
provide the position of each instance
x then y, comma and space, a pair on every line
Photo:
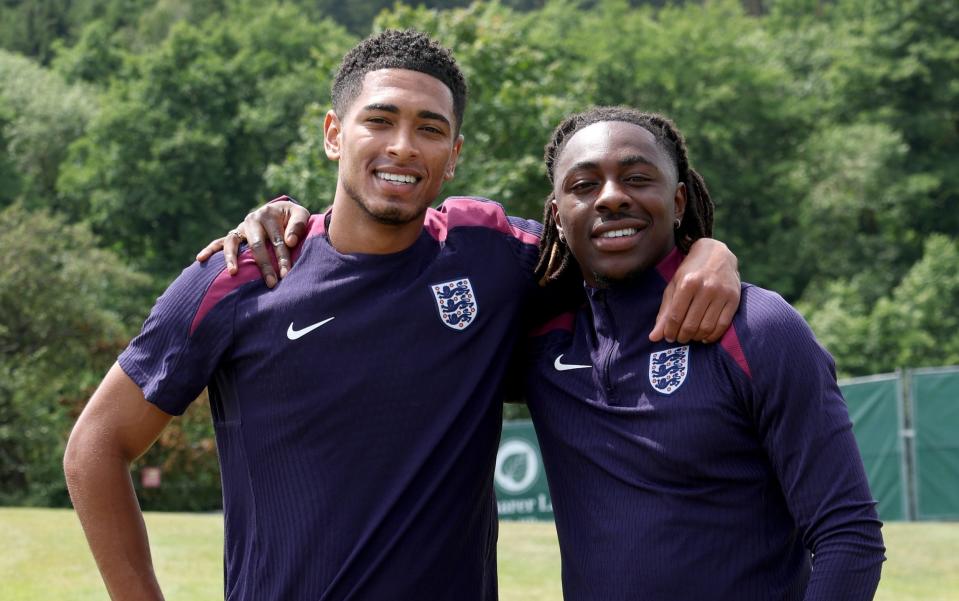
45, 556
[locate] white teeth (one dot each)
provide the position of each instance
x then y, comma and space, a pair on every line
395, 177
619, 233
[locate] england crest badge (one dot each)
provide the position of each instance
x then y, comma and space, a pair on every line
668, 369
456, 303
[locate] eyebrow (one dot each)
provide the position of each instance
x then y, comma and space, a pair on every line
636, 159
392, 108
434, 117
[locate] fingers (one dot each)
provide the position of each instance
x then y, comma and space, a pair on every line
297, 227
672, 311
279, 247
259, 241
659, 328
721, 299
278, 225
231, 246
725, 320
692, 328
732, 294
694, 310
708, 330
211, 249
702, 297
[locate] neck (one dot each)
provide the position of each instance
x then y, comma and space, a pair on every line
664, 268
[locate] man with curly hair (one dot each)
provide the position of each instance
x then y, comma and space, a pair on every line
357, 404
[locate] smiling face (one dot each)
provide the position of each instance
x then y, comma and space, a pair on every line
616, 198
395, 145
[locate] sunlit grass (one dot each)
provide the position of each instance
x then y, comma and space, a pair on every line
44, 556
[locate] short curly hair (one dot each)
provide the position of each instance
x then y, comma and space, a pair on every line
394, 49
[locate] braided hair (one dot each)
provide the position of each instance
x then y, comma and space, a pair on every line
555, 257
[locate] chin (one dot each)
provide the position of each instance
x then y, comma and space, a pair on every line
386, 212
395, 216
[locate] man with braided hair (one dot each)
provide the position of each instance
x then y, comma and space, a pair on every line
682, 471
357, 404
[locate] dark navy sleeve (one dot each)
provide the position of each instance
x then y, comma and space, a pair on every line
526, 235
183, 339
805, 428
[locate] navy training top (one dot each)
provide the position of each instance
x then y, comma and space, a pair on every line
724, 472
356, 405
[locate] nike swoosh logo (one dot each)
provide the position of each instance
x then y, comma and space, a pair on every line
560, 366
293, 334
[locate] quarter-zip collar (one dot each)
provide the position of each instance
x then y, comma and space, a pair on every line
621, 317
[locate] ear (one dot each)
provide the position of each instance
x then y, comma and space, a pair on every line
454, 156
554, 207
679, 201
331, 136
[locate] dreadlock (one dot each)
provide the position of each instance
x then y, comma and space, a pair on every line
554, 254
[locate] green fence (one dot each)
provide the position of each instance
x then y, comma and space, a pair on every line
935, 420
876, 408
906, 424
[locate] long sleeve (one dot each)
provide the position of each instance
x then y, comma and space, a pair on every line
805, 428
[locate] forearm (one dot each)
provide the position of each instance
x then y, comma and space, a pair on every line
849, 567
845, 534
102, 493
117, 426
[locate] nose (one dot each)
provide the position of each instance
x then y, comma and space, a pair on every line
612, 198
402, 144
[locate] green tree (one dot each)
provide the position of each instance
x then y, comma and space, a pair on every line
37, 28
306, 173
157, 20
10, 180
916, 325
179, 151
841, 323
903, 71
96, 57
40, 114
31, 27
68, 307
855, 210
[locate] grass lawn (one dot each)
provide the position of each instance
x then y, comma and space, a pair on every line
44, 556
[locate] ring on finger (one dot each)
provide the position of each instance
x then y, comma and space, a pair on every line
278, 242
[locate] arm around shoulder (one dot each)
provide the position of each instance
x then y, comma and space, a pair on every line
117, 426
